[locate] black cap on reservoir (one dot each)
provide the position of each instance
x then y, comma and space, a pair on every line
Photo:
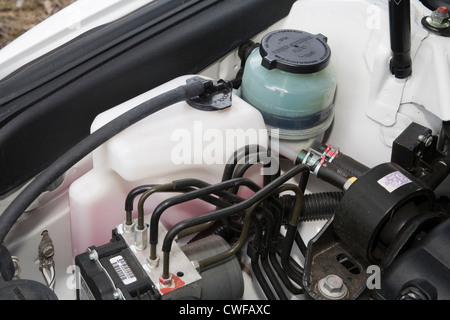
295, 51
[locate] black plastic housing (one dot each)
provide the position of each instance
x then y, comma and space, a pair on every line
96, 281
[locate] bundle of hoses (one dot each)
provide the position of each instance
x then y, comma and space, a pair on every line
260, 217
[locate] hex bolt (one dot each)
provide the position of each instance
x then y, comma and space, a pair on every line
165, 283
439, 18
332, 287
427, 140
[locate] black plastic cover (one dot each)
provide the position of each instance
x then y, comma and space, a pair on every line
119, 270
295, 51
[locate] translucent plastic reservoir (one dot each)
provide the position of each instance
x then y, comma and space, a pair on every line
289, 80
178, 142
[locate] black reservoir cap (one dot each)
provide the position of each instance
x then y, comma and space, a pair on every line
295, 51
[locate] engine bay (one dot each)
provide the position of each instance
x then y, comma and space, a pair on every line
309, 162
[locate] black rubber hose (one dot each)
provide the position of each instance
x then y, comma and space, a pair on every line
334, 175
316, 206
6, 264
90, 143
300, 243
237, 157
244, 51
142, 189
240, 170
350, 165
218, 228
259, 196
211, 189
239, 207
281, 273
238, 245
129, 200
262, 280
273, 279
320, 206
262, 250
253, 159
255, 257
195, 183
286, 254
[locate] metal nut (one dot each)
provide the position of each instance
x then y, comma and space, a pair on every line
153, 264
165, 283
128, 228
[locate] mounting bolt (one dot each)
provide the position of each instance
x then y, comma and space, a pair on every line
427, 140
332, 287
439, 18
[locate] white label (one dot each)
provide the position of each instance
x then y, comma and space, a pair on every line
393, 181
122, 269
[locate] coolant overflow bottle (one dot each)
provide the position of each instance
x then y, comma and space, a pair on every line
289, 80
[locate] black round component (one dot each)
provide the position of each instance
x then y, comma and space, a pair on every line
377, 206
295, 51
25, 290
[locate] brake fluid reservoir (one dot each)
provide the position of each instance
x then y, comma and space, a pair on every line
289, 80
